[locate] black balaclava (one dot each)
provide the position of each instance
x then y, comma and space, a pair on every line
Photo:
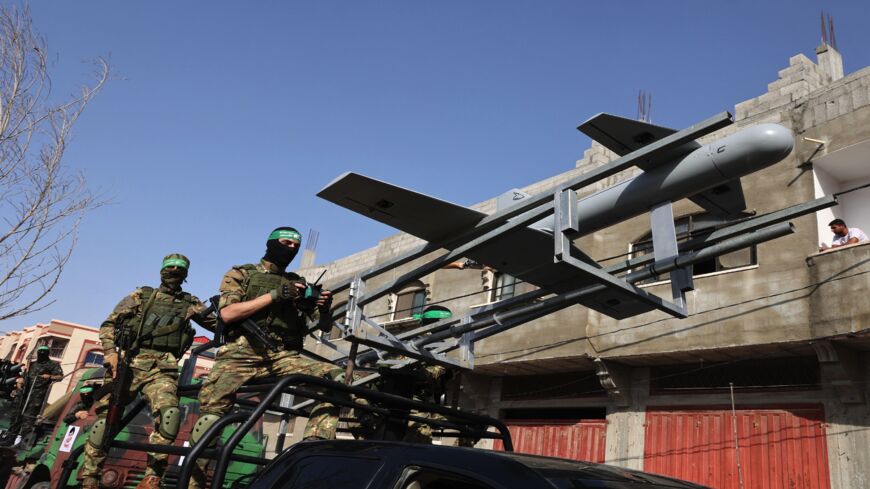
42, 354
172, 279
277, 253
86, 396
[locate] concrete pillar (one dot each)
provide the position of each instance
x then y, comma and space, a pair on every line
848, 438
830, 61
308, 257
626, 425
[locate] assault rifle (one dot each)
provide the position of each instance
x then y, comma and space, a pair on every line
253, 330
127, 347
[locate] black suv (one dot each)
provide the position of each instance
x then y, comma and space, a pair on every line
394, 465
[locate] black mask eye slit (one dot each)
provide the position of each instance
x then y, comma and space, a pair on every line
279, 254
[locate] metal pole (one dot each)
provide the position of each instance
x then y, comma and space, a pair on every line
538, 309
351, 360
734, 427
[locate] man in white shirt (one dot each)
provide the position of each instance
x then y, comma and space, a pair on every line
844, 235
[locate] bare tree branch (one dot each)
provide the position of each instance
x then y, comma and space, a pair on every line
41, 203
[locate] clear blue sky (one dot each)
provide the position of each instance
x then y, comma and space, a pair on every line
225, 118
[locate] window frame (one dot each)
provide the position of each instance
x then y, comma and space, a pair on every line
95, 351
496, 293
399, 313
49, 340
689, 233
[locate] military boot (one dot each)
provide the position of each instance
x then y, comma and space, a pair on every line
149, 482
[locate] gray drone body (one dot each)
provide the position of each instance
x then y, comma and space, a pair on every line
674, 166
708, 167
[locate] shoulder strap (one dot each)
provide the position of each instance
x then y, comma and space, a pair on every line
145, 293
148, 303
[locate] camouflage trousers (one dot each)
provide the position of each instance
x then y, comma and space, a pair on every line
419, 432
24, 420
238, 362
155, 376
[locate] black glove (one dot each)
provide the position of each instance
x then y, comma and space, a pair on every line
283, 293
326, 305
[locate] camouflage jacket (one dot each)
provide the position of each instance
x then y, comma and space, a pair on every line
235, 283
37, 369
131, 305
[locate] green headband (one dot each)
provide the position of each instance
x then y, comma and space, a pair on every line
42, 348
436, 314
174, 262
286, 234
86, 390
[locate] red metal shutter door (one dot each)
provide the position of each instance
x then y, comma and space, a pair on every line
780, 448
573, 439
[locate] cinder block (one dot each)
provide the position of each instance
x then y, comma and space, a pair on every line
844, 104
790, 71
819, 114
801, 60
831, 109
742, 109
796, 90
784, 82
807, 119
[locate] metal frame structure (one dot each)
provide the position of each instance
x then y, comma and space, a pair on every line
386, 406
429, 344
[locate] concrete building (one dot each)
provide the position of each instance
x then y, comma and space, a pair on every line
778, 331
75, 346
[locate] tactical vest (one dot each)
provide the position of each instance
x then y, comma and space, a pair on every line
282, 321
164, 328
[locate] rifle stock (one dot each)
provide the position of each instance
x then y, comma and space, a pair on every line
120, 386
253, 330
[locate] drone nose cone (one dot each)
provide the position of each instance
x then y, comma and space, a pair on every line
752, 149
773, 142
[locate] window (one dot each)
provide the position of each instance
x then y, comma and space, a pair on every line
505, 286
56, 345
845, 173
94, 358
694, 227
11, 351
410, 300
22, 350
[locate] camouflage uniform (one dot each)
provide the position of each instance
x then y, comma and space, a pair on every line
242, 360
425, 391
155, 369
29, 403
